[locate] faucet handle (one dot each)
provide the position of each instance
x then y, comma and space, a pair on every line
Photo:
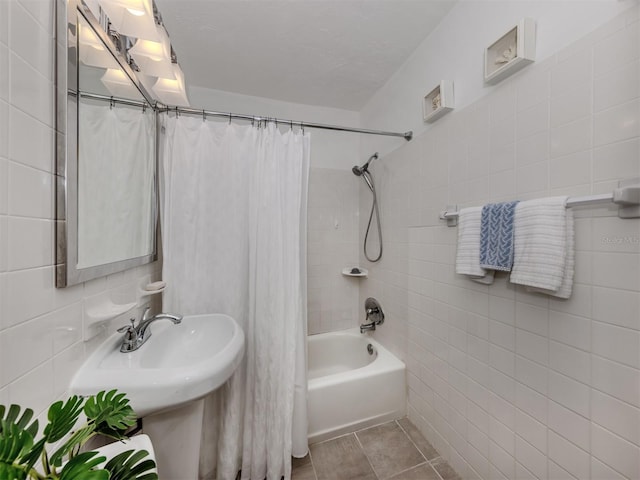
131, 340
128, 328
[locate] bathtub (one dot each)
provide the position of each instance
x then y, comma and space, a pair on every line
350, 388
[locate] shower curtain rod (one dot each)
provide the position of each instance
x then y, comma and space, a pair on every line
258, 118
253, 118
112, 100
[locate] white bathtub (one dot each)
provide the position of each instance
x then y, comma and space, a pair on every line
349, 388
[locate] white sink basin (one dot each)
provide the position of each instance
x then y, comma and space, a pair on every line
178, 364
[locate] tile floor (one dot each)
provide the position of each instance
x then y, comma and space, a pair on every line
394, 451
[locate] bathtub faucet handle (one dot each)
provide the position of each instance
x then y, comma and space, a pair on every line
372, 311
374, 315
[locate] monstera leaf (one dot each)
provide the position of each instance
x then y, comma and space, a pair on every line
16, 441
9, 472
83, 466
107, 414
110, 412
128, 466
63, 416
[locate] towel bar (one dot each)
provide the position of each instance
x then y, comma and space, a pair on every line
626, 196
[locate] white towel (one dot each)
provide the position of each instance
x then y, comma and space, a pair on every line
468, 253
544, 246
567, 279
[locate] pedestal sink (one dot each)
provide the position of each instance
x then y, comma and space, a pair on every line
165, 378
179, 363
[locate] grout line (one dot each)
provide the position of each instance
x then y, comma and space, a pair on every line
423, 456
410, 468
434, 468
365, 455
339, 436
313, 467
411, 440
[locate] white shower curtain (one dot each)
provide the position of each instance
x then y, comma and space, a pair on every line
234, 241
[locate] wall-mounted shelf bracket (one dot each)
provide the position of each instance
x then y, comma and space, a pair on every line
448, 215
627, 196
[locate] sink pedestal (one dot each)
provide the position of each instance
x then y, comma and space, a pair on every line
176, 436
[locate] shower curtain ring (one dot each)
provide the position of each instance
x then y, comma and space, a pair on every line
144, 107
229, 118
111, 103
177, 112
204, 115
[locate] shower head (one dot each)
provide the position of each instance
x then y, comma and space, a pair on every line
364, 168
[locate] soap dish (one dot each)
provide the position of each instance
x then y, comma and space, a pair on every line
355, 272
158, 287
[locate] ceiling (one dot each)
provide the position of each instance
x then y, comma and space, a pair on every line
334, 53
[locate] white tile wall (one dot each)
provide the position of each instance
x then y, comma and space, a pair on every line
552, 387
40, 326
333, 244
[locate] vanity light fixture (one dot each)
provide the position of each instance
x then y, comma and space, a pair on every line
119, 84
133, 18
172, 92
92, 51
136, 29
154, 58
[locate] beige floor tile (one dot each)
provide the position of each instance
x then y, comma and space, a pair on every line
389, 449
422, 443
303, 473
302, 469
444, 469
421, 472
300, 462
341, 459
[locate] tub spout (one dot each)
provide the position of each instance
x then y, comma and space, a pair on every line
367, 326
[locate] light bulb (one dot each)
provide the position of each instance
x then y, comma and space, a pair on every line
88, 38
135, 12
172, 92
119, 84
133, 18
154, 58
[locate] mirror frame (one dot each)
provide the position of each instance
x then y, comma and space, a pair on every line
66, 131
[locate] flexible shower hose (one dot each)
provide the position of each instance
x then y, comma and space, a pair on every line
374, 206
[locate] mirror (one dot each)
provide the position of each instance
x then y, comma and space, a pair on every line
106, 136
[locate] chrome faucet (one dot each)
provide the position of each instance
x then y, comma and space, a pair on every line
367, 326
374, 315
136, 335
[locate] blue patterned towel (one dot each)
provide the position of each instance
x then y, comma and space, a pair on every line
496, 236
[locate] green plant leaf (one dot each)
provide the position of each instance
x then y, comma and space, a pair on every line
62, 417
30, 458
111, 413
12, 416
108, 413
129, 465
76, 439
10, 472
14, 442
83, 467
